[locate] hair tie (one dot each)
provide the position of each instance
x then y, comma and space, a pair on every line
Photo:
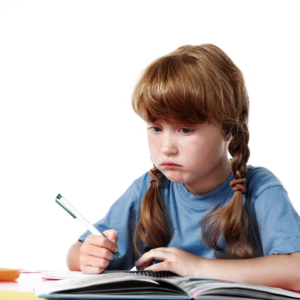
156, 175
237, 186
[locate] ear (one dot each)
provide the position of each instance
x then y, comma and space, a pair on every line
228, 137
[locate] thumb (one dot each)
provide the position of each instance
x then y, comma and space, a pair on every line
111, 234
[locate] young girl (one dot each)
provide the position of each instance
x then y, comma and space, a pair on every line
197, 211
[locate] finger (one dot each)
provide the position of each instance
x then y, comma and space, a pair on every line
145, 265
98, 252
91, 270
101, 241
163, 266
158, 254
111, 234
95, 262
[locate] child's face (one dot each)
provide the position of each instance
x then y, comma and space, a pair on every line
196, 151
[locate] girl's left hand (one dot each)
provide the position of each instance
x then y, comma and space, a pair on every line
175, 260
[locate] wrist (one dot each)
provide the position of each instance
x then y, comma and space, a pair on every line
201, 266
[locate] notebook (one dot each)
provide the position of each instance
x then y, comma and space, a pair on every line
52, 275
134, 286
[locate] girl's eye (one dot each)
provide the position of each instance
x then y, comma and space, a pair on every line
155, 129
186, 130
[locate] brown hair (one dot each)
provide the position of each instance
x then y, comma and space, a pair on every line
197, 85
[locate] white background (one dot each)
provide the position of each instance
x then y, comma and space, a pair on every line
67, 71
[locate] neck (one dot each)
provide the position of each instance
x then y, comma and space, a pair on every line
215, 178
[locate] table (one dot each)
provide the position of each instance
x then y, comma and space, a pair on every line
20, 289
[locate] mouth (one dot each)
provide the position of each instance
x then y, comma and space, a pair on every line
170, 165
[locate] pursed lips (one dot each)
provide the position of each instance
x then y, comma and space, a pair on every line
169, 163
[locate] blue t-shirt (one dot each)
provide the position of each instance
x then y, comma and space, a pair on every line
275, 224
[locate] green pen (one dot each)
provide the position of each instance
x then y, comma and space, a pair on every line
77, 215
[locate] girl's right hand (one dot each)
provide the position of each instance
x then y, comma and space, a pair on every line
96, 252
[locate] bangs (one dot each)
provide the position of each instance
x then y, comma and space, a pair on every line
174, 89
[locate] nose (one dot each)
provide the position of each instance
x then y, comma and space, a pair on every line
168, 145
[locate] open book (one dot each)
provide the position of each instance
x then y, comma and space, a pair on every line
59, 275
124, 286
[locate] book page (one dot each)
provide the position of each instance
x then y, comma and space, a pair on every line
50, 287
55, 275
208, 286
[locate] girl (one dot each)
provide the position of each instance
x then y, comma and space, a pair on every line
197, 211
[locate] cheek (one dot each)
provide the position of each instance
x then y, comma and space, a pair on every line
203, 152
153, 144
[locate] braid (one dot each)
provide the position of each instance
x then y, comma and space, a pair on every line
152, 227
237, 233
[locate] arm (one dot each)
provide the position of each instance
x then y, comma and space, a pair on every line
273, 270
280, 271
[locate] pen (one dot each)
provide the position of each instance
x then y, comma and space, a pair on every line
66, 205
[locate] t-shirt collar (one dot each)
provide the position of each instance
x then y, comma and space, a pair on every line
214, 197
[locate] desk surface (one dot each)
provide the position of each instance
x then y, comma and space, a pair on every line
23, 284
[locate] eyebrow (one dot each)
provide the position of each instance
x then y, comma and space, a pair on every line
176, 125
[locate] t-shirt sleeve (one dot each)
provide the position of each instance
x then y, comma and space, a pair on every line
278, 222
121, 217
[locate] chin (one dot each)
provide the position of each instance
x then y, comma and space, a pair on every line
176, 179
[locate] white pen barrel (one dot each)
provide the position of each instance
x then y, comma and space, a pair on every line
88, 225
79, 216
